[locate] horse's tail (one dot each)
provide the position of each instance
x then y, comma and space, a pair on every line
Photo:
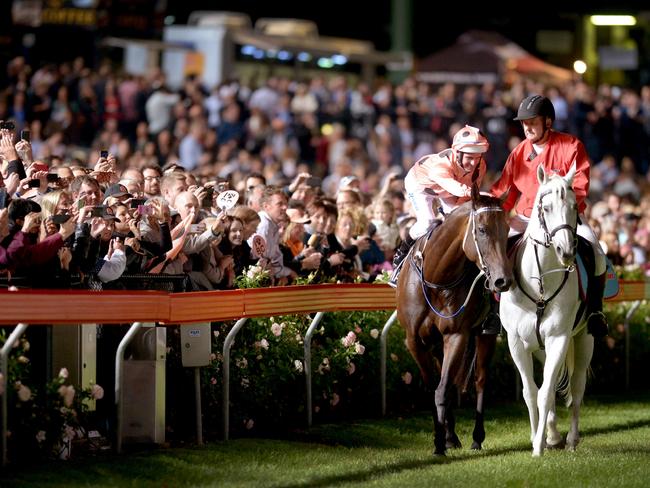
564, 378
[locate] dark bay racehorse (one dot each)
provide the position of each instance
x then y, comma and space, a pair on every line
441, 297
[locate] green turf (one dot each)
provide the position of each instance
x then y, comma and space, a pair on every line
615, 451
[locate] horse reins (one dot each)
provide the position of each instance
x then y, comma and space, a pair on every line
483, 272
540, 303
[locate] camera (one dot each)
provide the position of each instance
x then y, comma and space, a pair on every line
34, 183
7, 124
60, 219
52, 178
3, 198
103, 154
25, 135
207, 200
97, 211
136, 202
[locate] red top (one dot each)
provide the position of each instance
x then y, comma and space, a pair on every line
520, 174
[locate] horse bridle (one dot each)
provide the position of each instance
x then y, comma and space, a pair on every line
484, 269
541, 303
548, 236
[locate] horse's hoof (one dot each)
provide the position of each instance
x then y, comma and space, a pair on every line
537, 454
476, 446
439, 453
453, 444
557, 445
571, 448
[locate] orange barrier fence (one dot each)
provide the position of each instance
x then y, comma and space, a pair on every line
77, 306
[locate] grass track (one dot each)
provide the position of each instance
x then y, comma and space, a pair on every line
615, 451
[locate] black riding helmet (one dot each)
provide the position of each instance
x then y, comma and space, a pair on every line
534, 106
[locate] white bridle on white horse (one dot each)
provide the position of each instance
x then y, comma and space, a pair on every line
538, 318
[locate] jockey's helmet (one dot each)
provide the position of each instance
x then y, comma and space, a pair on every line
470, 140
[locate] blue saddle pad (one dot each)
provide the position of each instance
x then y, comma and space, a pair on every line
611, 285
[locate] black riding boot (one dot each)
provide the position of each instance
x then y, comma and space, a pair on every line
492, 323
596, 321
398, 259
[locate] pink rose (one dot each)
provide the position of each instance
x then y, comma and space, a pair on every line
351, 368
24, 393
335, 399
276, 329
97, 392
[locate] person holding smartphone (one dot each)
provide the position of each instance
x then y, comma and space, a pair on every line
34, 258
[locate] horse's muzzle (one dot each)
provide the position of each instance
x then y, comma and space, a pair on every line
502, 283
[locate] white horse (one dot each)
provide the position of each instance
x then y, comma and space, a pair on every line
539, 312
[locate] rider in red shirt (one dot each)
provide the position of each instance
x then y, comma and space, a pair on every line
557, 152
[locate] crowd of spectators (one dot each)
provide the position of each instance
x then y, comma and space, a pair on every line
107, 174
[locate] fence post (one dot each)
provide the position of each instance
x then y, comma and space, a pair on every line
307, 362
4, 361
382, 358
628, 318
119, 366
227, 344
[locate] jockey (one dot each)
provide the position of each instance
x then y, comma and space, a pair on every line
447, 176
556, 151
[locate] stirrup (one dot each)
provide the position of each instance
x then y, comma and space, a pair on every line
597, 324
392, 281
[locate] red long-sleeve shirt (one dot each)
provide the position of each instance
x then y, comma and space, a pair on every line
520, 175
22, 253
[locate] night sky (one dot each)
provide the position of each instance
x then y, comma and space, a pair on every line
432, 28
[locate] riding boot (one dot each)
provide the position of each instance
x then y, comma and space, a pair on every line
398, 259
596, 321
492, 323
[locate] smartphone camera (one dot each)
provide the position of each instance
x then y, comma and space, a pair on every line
60, 219
25, 135
52, 178
97, 212
34, 183
104, 154
145, 210
207, 200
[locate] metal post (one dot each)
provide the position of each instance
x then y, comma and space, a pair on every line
383, 343
227, 344
119, 366
4, 361
197, 399
307, 362
628, 317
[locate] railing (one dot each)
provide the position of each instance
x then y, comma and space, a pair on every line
33, 307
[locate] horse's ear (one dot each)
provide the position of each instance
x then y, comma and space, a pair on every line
476, 194
572, 172
541, 174
504, 197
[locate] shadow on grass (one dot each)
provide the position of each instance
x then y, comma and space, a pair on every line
369, 474
361, 440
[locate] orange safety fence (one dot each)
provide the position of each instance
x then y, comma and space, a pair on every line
117, 307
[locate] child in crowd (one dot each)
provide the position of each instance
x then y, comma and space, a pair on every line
387, 234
